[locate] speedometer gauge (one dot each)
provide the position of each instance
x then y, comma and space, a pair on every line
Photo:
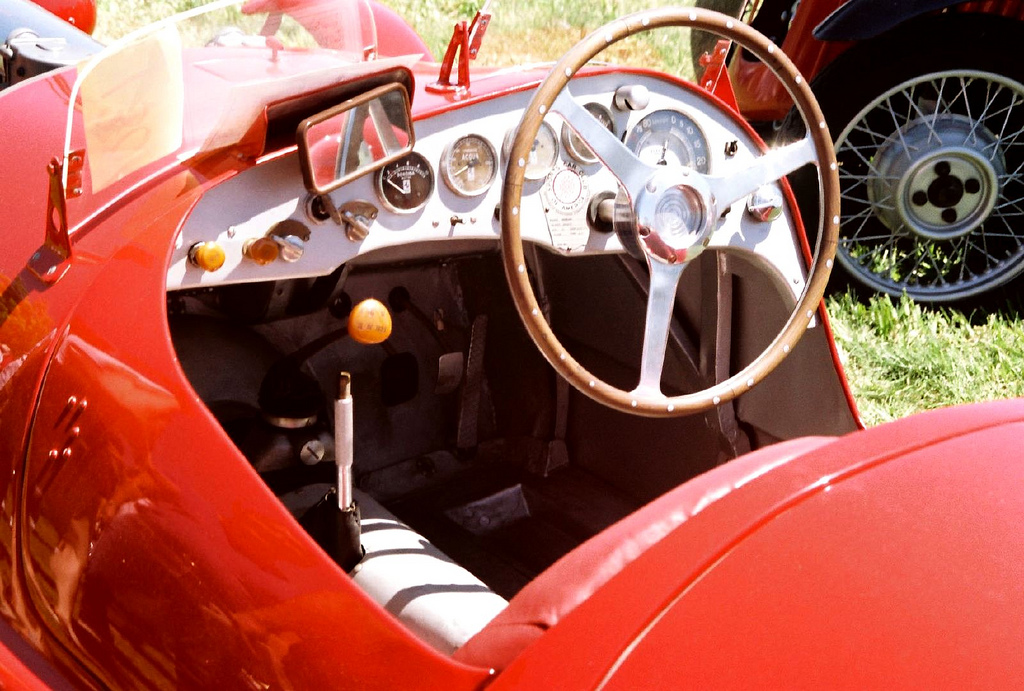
543, 153
469, 165
406, 184
669, 138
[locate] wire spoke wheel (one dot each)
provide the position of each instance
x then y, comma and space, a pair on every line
932, 186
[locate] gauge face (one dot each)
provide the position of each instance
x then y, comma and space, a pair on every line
575, 146
469, 165
406, 184
669, 138
542, 156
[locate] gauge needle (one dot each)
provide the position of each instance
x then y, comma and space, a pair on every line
461, 170
664, 153
392, 183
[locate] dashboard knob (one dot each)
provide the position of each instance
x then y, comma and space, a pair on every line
261, 250
208, 256
369, 322
290, 247
632, 97
765, 205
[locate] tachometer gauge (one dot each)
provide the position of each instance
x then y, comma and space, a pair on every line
469, 165
575, 146
542, 156
669, 138
405, 185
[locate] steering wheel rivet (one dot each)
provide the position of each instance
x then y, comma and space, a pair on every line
535, 311
645, 21
821, 125
771, 50
810, 314
515, 210
543, 109
798, 79
633, 403
750, 383
835, 220
568, 72
671, 407
716, 400
828, 263
592, 383
729, 24
562, 356
608, 37
693, 16
832, 165
785, 348
522, 268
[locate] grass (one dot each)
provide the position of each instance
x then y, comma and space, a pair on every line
902, 358
899, 357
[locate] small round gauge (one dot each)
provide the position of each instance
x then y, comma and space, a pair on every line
575, 146
542, 155
406, 184
669, 138
469, 165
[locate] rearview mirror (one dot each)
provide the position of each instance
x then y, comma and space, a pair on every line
354, 138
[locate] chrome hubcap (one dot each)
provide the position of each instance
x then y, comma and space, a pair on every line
933, 184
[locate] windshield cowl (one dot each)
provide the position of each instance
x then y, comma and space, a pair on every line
203, 80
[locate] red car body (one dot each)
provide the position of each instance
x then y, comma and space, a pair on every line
141, 548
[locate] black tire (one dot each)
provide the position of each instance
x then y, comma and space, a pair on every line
928, 122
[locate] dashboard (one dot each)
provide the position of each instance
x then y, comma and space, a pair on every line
443, 197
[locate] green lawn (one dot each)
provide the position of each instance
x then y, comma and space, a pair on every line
902, 358
899, 357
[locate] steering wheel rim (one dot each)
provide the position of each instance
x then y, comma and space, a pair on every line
644, 400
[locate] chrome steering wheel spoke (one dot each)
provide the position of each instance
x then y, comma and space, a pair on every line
770, 167
661, 300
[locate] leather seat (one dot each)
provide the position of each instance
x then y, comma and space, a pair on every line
574, 577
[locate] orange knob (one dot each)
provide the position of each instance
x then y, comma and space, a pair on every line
208, 256
261, 250
369, 322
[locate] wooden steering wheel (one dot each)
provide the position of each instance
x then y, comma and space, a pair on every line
669, 240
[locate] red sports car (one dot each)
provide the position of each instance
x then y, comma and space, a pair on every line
324, 365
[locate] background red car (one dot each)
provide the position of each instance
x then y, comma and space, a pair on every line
924, 105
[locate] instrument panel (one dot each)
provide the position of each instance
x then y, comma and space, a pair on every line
443, 197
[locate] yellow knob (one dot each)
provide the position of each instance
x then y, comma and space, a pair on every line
208, 256
369, 322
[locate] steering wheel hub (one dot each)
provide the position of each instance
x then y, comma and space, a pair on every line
673, 211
